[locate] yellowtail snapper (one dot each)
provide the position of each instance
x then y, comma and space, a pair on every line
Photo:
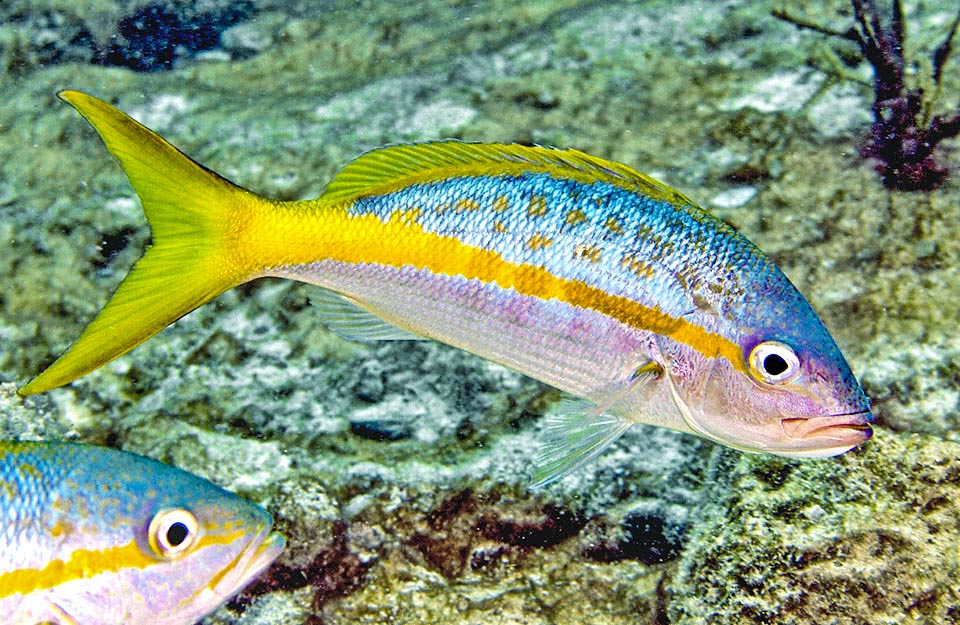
95, 536
574, 270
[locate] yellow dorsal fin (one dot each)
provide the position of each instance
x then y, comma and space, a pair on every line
396, 166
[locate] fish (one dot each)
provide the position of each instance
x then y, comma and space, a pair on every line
97, 536
579, 272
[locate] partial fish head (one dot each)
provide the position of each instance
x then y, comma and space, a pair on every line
228, 548
171, 546
790, 392
212, 548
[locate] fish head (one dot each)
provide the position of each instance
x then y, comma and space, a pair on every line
164, 547
781, 386
202, 551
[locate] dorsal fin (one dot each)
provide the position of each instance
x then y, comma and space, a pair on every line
395, 166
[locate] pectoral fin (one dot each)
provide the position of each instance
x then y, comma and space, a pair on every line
574, 439
52, 614
580, 430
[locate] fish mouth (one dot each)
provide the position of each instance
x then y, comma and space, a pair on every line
253, 560
831, 434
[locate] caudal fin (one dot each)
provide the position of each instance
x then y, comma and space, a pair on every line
194, 215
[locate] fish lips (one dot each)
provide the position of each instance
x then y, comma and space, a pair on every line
253, 560
829, 435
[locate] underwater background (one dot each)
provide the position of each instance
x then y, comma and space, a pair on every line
399, 471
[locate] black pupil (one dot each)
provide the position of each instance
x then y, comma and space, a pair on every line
774, 364
176, 534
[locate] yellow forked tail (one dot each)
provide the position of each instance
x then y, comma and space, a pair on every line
195, 217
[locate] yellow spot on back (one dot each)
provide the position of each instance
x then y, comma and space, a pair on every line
640, 268
466, 204
405, 217
613, 225
499, 226
576, 216
538, 206
31, 470
501, 204
62, 528
585, 251
462, 205
538, 241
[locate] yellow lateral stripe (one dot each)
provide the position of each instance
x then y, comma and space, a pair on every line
86, 563
299, 233
82, 563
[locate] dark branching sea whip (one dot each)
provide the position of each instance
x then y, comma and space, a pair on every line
905, 134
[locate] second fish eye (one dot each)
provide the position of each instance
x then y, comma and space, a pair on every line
172, 532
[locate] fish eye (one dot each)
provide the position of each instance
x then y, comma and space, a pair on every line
172, 532
774, 362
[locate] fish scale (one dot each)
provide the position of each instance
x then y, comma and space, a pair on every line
574, 270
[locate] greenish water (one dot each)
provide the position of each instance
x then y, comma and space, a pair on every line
399, 472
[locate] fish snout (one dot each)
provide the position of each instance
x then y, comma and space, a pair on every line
264, 547
831, 431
